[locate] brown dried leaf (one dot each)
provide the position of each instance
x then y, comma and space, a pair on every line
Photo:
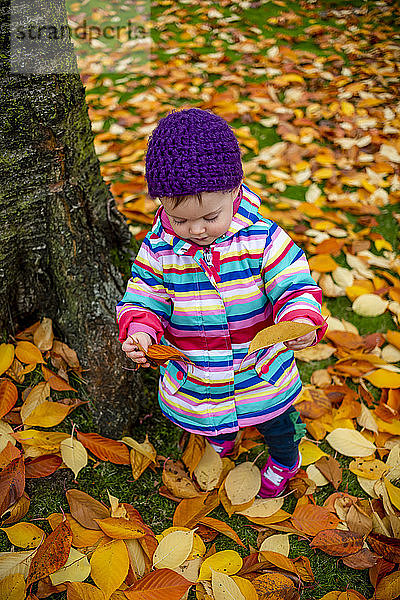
86, 509
331, 469
336, 542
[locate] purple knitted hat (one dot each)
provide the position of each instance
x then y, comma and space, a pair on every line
192, 151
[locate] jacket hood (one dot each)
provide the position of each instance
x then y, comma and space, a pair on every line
246, 215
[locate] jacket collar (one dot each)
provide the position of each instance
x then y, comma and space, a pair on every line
246, 215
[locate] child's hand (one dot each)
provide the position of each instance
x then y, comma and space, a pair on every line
303, 341
131, 349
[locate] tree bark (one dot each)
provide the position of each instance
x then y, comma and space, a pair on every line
58, 228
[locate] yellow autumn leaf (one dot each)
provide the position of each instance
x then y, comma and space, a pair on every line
243, 483
209, 469
47, 440
38, 394
262, 507
369, 305
198, 548
24, 535
369, 469
12, 563
288, 78
383, 245
394, 493
145, 448
78, 590
385, 427
350, 442
73, 454
136, 557
224, 587
173, 549
12, 587
323, 263
47, 414
109, 566
382, 378
277, 543
225, 561
354, 291
27, 352
347, 108
77, 568
246, 587
120, 528
324, 173
393, 337
6, 357
281, 332
310, 453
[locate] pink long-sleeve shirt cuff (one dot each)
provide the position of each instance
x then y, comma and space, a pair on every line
314, 317
140, 321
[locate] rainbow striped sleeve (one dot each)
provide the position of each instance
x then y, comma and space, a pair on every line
145, 299
288, 284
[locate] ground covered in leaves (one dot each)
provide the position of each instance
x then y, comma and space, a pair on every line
311, 89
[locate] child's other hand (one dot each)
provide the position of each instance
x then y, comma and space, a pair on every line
303, 341
131, 349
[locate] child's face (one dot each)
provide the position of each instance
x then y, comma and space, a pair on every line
202, 223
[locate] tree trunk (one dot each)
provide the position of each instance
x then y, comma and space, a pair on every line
58, 228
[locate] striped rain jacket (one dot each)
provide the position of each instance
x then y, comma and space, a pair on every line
210, 303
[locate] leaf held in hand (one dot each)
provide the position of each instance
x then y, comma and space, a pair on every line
281, 332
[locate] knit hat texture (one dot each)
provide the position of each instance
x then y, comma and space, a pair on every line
192, 151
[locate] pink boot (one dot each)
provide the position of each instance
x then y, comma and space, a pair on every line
274, 478
223, 448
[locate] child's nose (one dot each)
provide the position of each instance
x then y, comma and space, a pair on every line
197, 228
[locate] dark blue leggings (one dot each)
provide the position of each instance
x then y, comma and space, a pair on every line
282, 436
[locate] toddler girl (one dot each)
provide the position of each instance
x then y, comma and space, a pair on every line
210, 274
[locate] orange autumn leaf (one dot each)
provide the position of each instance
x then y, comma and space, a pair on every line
331, 246
336, 542
312, 519
120, 528
56, 382
274, 585
158, 354
222, 527
322, 263
190, 510
52, 554
162, 584
8, 396
27, 352
105, 448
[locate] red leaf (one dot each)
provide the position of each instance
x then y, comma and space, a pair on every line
12, 483
105, 448
42, 466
